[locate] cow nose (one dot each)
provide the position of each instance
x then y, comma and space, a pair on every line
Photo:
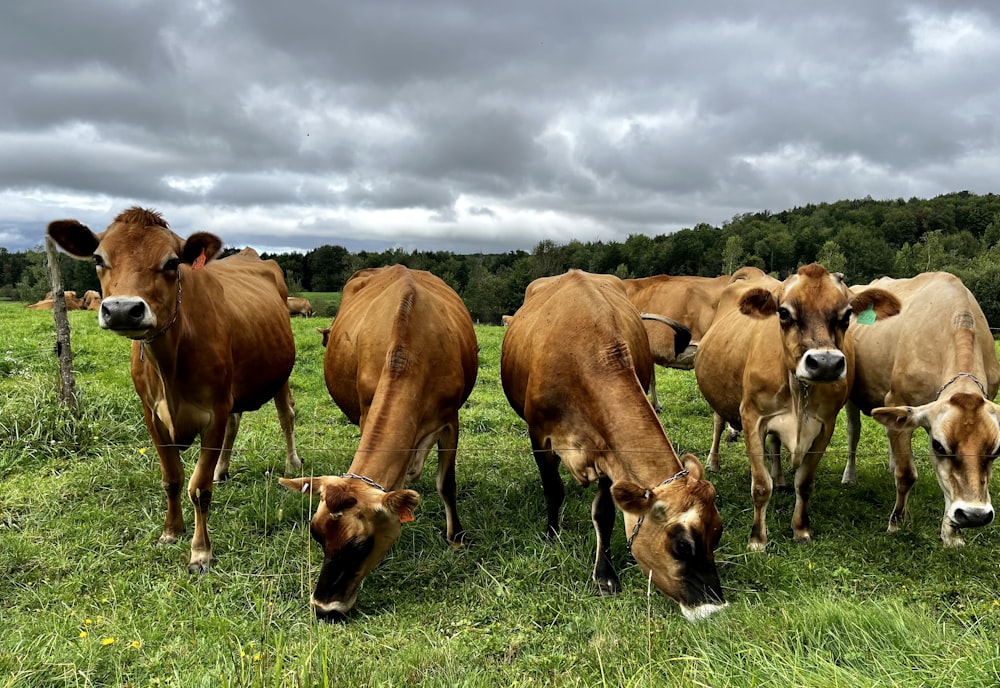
124, 314
823, 365
972, 517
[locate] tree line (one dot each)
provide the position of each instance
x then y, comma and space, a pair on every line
865, 239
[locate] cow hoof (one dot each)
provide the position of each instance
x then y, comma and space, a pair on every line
756, 546
221, 478
608, 587
458, 541
167, 539
803, 538
198, 567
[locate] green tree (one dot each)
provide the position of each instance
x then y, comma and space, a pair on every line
831, 257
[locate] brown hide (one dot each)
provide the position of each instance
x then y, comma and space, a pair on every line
778, 362
211, 339
574, 364
401, 359
936, 364
48, 303
298, 305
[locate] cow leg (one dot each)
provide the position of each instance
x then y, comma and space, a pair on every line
603, 513
901, 458
222, 468
172, 472
712, 463
552, 486
805, 481
853, 414
772, 443
653, 399
446, 485
760, 482
285, 405
200, 492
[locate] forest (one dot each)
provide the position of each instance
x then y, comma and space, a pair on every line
865, 239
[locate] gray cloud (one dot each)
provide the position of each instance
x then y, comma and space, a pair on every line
484, 126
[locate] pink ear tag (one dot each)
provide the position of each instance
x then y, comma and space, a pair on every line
199, 262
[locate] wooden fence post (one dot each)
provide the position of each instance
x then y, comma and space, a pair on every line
63, 350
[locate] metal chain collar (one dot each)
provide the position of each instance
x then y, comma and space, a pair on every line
177, 309
635, 531
972, 377
365, 479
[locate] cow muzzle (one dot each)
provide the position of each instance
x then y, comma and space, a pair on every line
966, 515
126, 315
822, 365
332, 612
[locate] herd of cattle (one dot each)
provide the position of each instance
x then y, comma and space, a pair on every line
775, 359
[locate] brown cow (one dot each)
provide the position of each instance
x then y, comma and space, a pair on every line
298, 305
574, 364
505, 320
48, 303
690, 301
934, 366
400, 361
211, 339
91, 300
778, 363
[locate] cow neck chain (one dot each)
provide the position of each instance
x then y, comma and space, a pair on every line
972, 377
638, 524
177, 309
365, 479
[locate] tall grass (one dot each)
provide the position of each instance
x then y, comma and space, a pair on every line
89, 599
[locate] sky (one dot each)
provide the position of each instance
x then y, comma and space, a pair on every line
474, 126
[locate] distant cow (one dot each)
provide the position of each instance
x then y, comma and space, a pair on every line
400, 361
298, 305
211, 339
91, 300
324, 332
48, 303
690, 301
505, 320
778, 363
934, 366
574, 365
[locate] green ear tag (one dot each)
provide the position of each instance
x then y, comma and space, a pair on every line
867, 316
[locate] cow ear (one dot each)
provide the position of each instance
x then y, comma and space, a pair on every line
631, 498
201, 244
74, 238
758, 302
693, 466
884, 303
402, 503
303, 485
900, 417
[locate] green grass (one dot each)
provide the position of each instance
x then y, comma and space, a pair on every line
89, 599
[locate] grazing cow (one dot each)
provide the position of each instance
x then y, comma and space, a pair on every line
324, 332
689, 300
91, 300
211, 340
298, 305
778, 363
401, 360
934, 366
505, 320
574, 365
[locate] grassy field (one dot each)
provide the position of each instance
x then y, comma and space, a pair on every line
89, 599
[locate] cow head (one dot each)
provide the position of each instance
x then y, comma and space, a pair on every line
138, 262
674, 530
814, 308
964, 432
356, 522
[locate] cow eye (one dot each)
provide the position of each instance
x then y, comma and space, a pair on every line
171, 265
938, 448
845, 319
98, 261
784, 315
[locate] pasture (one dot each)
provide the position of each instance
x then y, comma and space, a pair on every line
89, 599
